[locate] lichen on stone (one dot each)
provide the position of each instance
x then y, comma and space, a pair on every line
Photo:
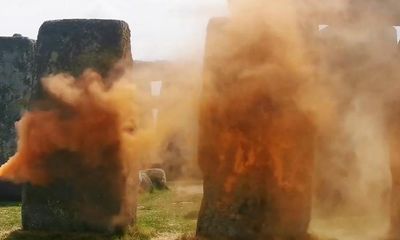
16, 68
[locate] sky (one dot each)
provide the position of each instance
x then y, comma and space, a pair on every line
161, 29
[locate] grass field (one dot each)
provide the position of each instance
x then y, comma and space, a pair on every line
167, 215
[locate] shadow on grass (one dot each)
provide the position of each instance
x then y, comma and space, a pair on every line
10, 204
131, 234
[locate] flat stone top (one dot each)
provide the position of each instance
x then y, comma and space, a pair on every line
84, 31
72, 45
70, 26
83, 22
104, 32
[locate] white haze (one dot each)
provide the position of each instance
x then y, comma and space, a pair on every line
160, 28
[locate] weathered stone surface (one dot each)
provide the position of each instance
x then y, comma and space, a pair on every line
74, 45
103, 199
16, 61
256, 153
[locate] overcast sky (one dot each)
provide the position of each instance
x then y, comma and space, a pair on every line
161, 29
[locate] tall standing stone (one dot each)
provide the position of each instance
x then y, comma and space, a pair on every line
72, 46
357, 61
255, 152
353, 67
101, 199
393, 132
16, 61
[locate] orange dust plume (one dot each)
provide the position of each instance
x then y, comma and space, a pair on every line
302, 93
85, 117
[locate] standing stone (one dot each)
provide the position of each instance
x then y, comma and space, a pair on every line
75, 45
101, 199
353, 67
356, 60
16, 61
255, 152
393, 132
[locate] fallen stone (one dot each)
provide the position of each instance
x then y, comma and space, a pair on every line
146, 185
158, 178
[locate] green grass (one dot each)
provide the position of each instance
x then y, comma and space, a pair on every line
168, 215
176, 214
10, 218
